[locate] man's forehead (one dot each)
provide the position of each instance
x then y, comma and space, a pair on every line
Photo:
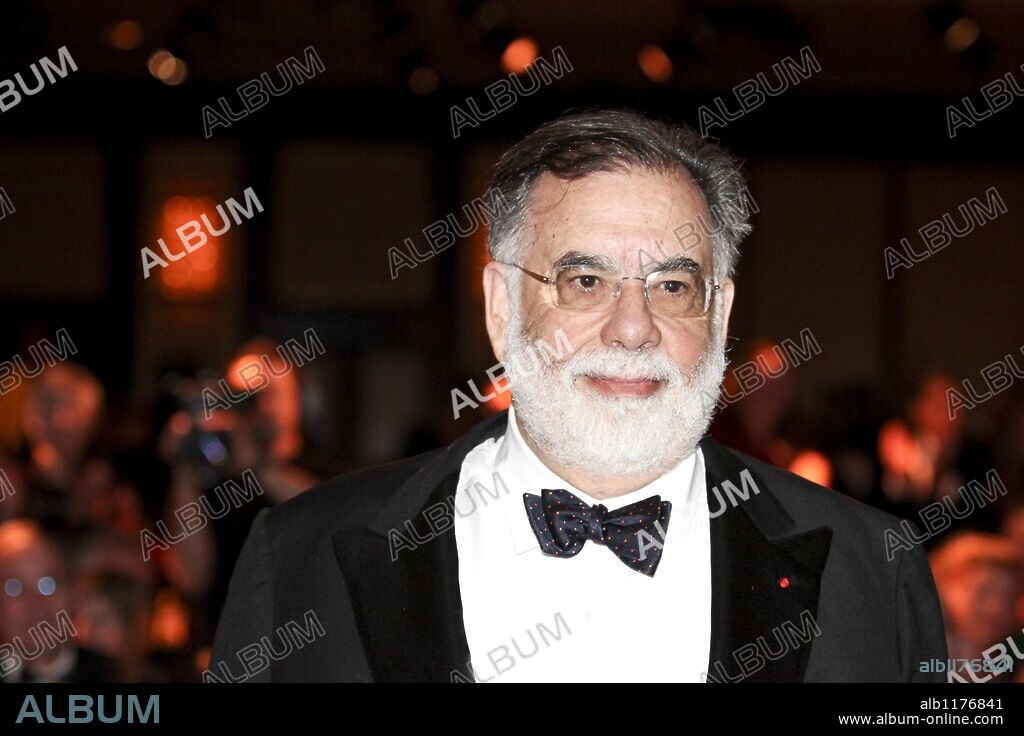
631, 217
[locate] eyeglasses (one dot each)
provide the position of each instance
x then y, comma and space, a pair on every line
675, 294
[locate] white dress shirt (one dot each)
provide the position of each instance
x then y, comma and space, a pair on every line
533, 617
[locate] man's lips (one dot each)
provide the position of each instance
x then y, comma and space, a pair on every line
611, 386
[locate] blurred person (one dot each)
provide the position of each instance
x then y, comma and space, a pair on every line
275, 417
112, 617
261, 434
925, 457
1013, 529
11, 481
847, 419
36, 613
1008, 451
755, 422
103, 555
107, 551
414, 575
977, 576
68, 486
762, 421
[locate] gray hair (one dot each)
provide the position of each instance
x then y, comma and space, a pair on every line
581, 143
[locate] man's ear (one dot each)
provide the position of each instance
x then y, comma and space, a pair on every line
496, 306
728, 292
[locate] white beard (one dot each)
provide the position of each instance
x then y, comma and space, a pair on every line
605, 436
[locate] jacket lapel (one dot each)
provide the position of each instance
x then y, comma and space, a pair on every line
765, 578
402, 573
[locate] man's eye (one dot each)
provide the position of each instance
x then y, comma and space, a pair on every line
586, 281
673, 287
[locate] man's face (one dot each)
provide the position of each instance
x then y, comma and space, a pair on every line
626, 378
635, 220
64, 413
25, 601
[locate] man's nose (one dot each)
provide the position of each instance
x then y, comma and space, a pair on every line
629, 323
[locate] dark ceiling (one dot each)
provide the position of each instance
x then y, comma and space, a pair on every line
877, 46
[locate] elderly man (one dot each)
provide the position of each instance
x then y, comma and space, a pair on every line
593, 532
37, 635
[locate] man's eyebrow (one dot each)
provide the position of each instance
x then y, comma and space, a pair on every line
675, 263
576, 259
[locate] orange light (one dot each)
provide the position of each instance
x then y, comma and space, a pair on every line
202, 659
161, 63
423, 81
767, 359
813, 466
125, 35
169, 627
236, 379
166, 67
179, 73
502, 399
519, 55
655, 64
961, 35
177, 209
198, 273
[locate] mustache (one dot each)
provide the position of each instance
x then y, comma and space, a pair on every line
623, 364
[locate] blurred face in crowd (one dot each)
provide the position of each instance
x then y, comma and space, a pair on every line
101, 625
63, 411
636, 392
278, 399
112, 615
930, 408
981, 603
280, 408
32, 575
765, 407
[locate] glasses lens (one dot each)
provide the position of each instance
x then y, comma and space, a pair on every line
676, 293
580, 288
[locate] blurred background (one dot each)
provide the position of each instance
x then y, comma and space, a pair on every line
103, 432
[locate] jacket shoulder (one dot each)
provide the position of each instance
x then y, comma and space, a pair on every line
349, 500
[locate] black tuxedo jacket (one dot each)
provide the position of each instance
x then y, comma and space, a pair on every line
316, 595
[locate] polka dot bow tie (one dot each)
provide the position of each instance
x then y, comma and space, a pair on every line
562, 524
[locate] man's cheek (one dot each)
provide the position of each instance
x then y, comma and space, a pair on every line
687, 351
